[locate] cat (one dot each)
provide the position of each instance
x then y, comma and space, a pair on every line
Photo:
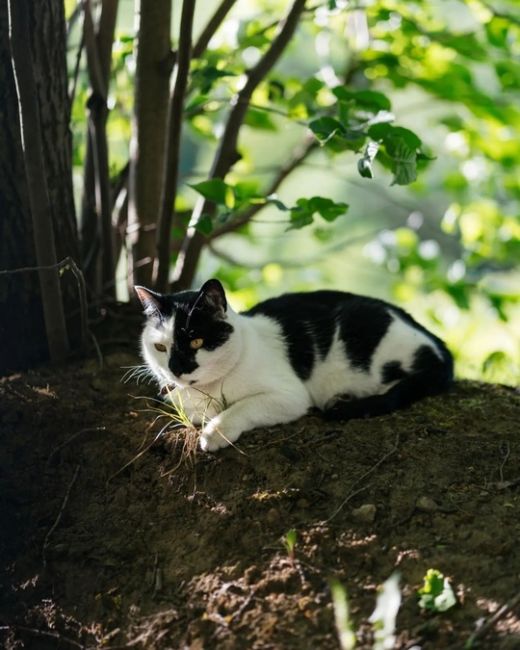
350, 356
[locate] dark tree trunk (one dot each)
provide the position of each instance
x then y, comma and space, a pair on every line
22, 332
152, 82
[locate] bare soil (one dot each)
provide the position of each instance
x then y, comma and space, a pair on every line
112, 538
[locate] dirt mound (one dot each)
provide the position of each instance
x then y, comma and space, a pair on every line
111, 539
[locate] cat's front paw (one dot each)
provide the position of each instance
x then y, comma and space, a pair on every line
217, 434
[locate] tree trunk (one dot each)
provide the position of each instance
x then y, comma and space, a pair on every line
22, 333
152, 80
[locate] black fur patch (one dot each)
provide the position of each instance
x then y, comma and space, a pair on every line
363, 323
308, 323
309, 320
392, 371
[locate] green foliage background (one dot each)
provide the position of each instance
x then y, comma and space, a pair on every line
412, 192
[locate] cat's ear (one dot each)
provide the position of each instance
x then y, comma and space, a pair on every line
151, 301
213, 297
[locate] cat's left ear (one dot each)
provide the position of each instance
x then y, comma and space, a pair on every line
213, 296
150, 300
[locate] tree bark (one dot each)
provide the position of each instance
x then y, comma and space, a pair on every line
173, 148
22, 334
96, 228
154, 61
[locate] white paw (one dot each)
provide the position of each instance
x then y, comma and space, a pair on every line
217, 434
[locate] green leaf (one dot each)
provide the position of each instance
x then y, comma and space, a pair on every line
436, 594
303, 213
325, 128
400, 146
368, 99
327, 208
204, 225
258, 119
215, 190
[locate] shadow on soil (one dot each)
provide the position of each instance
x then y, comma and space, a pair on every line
103, 549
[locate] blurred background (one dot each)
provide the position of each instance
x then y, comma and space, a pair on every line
445, 247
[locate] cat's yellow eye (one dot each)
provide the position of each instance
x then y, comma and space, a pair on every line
160, 347
195, 344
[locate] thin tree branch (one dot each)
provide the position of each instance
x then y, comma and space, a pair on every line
30, 129
227, 154
75, 74
211, 27
98, 65
371, 470
299, 156
492, 620
60, 513
171, 163
293, 264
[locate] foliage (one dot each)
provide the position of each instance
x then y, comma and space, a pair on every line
414, 96
436, 595
289, 541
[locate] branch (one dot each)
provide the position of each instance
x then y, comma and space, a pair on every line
298, 157
292, 264
98, 71
213, 24
227, 154
171, 163
41, 211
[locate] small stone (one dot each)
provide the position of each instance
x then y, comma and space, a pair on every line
365, 513
426, 504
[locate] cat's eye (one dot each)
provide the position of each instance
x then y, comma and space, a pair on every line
160, 347
195, 344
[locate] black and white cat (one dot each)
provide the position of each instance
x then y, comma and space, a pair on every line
350, 356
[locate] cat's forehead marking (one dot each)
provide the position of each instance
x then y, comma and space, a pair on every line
164, 330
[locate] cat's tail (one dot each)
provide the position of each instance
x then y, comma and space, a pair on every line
430, 375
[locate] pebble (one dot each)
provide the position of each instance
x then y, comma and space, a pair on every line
426, 504
365, 513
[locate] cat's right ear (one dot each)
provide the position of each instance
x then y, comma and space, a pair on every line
150, 300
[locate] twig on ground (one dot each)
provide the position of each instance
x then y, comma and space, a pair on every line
44, 633
505, 452
487, 625
352, 493
60, 515
57, 449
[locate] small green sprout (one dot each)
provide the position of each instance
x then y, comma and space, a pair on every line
289, 542
347, 638
436, 595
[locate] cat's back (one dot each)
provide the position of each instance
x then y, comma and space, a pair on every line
306, 309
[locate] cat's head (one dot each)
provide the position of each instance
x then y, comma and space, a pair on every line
188, 338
